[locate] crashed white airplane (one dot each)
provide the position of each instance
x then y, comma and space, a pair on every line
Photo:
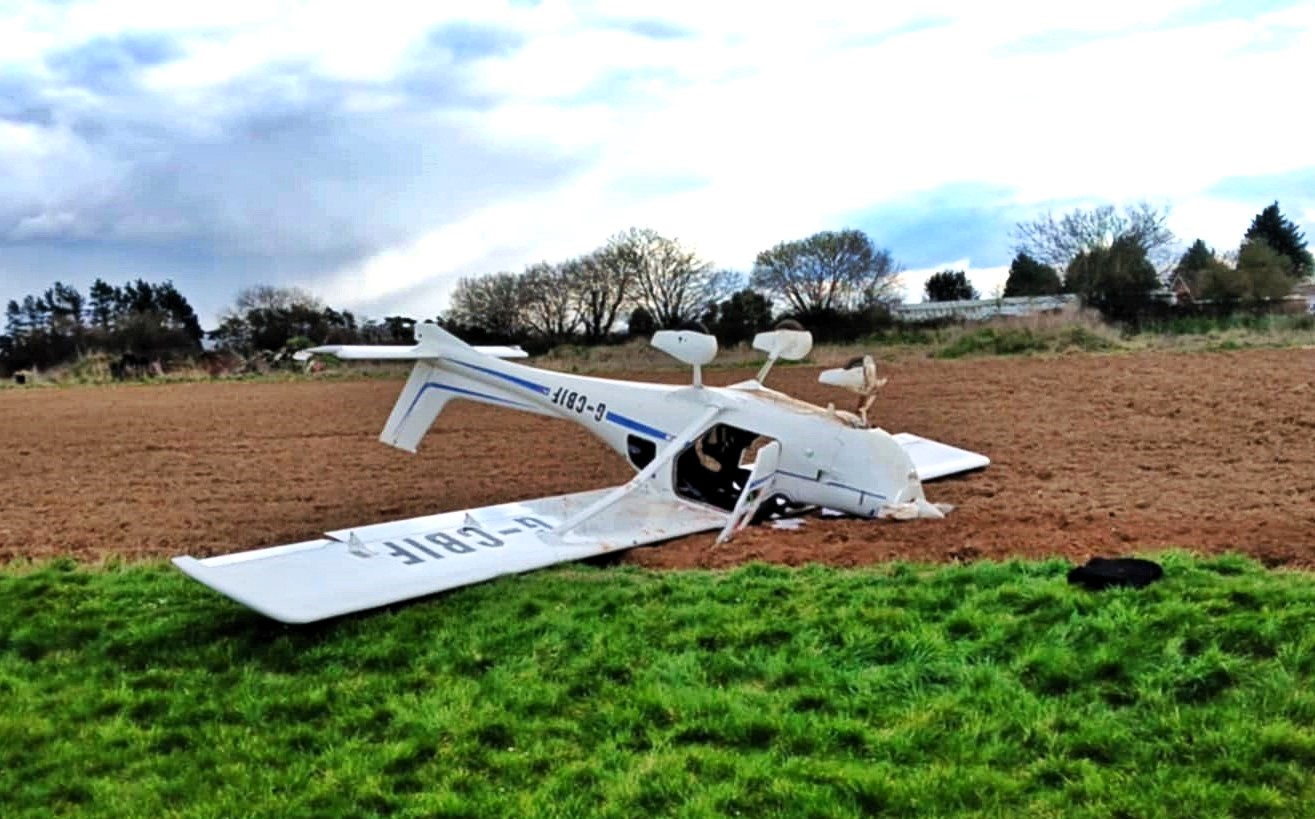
707, 458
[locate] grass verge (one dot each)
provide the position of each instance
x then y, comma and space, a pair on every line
1044, 334
1015, 340
987, 688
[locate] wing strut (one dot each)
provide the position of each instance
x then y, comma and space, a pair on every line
755, 491
677, 445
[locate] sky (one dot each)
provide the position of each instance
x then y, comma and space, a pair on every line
376, 153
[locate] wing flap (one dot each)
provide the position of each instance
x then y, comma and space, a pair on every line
933, 460
371, 566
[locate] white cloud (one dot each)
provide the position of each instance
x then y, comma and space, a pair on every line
1211, 216
795, 124
987, 281
759, 124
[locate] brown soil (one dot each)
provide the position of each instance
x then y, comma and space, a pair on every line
1091, 455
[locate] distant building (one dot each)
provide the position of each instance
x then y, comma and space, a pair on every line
982, 308
1306, 290
1181, 290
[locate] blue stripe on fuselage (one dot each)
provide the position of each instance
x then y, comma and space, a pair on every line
459, 391
541, 389
643, 429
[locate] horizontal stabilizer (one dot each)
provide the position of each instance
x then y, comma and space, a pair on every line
386, 352
371, 566
933, 459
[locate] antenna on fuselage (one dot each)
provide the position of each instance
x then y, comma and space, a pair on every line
693, 347
789, 341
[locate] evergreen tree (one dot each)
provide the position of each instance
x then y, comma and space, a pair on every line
11, 343
746, 313
36, 314
642, 323
1193, 264
233, 333
1197, 258
66, 310
1266, 274
397, 329
102, 305
142, 318
15, 326
1117, 280
1283, 237
137, 297
169, 301
1028, 277
949, 285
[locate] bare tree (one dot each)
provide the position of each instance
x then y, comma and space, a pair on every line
490, 303
828, 271
269, 297
548, 303
669, 281
1057, 242
600, 283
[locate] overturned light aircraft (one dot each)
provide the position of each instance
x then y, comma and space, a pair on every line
706, 458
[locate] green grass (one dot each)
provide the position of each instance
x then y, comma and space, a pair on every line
1236, 332
983, 689
994, 341
1015, 340
1263, 325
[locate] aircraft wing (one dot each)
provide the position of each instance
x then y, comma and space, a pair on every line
387, 352
371, 566
933, 460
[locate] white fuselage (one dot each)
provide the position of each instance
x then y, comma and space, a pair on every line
824, 459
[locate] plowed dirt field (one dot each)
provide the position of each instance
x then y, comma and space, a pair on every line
1092, 455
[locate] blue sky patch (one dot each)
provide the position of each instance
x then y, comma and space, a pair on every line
108, 63
1055, 42
940, 226
653, 29
468, 41
1292, 189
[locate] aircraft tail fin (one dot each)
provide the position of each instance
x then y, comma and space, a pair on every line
422, 399
433, 341
434, 381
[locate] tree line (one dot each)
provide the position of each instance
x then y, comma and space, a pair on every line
837, 283
136, 318
640, 281
141, 321
1116, 261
